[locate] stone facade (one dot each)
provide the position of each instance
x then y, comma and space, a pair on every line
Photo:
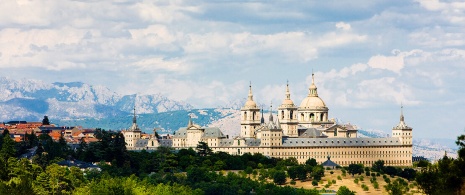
301, 132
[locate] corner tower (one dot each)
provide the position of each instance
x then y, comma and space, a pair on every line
132, 134
250, 119
287, 115
313, 111
402, 130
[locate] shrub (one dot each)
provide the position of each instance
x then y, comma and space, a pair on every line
292, 182
356, 180
387, 180
314, 183
334, 181
373, 174
327, 185
361, 178
375, 185
339, 177
331, 172
365, 187
378, 174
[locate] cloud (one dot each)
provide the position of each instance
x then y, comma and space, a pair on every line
343, 26
391, 63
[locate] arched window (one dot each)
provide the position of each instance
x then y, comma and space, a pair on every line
282, 114
245, 115
312, 116
291, 114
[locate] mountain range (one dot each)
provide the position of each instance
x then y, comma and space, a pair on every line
81, 104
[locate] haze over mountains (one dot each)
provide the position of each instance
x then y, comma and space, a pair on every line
32, 99
81, 104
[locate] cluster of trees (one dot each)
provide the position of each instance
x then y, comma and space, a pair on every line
378, 166
447, 176
189, 171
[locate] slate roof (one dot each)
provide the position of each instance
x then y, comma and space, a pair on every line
310, 133
209, 132
329, 163
292, 142
250, 142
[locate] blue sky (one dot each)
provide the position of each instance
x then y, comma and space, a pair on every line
368, 56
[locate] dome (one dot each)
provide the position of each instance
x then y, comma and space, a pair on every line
312, 102
287, 102
250, 104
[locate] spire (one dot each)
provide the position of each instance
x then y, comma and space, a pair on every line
250, 92
312, 91
288, 94
262, 120
313, 78
271, 112
401, 112
189, 124
134, 119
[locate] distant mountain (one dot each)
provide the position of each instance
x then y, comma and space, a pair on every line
32, 99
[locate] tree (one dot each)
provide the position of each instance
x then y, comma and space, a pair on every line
203, 149
8, 147
279, 177
343, 190
423, 163
312, 162
397, 187
45, 121
378, 166
318, 172
292, 172
301, 173
390, 170
355, 169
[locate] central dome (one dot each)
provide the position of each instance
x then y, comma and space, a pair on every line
312, 102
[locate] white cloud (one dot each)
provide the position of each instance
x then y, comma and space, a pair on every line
343, 26
391, 63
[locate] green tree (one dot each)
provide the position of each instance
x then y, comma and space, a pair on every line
279, 177
343, 190
378, 166
318, 172
396, 188
8, 147
203, 149
355, 169
312, 162
292, 172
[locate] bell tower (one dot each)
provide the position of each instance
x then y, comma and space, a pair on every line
402, 130
250, 116
287, 115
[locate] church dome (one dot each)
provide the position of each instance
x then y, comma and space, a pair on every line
312, 102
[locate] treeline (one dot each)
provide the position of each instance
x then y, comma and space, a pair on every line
189, 171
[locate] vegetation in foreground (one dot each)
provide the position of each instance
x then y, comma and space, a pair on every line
199, 171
